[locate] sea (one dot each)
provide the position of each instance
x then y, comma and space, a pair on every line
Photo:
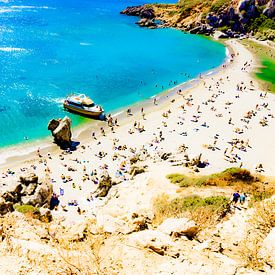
51, 48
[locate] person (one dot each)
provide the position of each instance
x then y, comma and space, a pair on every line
54, 202
236, 197
242, 198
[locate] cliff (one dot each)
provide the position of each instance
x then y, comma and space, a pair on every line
234, 18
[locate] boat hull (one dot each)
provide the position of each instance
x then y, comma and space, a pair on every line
82, 111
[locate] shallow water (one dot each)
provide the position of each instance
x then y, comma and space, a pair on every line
50, 48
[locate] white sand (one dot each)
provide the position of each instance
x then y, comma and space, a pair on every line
223, 102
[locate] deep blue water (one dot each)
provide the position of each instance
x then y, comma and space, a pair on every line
49, 48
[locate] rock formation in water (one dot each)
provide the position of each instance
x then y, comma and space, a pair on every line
141, 11
61, 131
146, 14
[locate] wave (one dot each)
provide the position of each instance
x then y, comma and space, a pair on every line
11, 49
5, 10
32, 7
21, 8
85, 44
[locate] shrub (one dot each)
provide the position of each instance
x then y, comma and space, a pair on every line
192, 206
26, 208
218, 5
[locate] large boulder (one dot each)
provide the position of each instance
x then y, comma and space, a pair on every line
104, 186
28, 190
5, 206
248, 10
61, 131
149, 23
177, 227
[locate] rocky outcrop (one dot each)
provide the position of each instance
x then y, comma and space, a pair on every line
5, 206
146, 14
148, 23
202, 29
140, 11
104, 186
61, 131
234, 19
28, 190
269, 11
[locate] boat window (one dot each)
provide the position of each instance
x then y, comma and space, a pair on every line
89, 105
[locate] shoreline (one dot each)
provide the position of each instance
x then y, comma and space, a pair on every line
218, 118
25, 152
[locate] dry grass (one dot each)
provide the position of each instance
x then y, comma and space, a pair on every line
61, 255
262, 221
236, 178
204, 211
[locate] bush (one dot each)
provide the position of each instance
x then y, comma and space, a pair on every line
218, 5
226, 178
192, 206
26, 208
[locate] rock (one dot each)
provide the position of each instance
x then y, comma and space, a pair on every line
267, 251
248, 10
135, 170
41, 196
5, 206
45, 215
61, 131
149, 23
104, 186
176, 227
111, 224
27, 191
202, 29
140, 11
220, 35
269, 11
29, 178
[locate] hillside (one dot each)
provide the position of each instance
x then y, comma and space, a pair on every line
233, 18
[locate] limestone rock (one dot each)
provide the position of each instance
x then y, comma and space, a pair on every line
45, 215
5, 206
61, 131
149, 23
28, 190
112, 224
104, 186
179, 226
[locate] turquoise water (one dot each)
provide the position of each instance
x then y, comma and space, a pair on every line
49, 48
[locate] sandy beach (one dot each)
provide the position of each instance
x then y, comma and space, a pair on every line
223, 117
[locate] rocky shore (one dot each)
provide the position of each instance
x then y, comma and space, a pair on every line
152, 195
233, 20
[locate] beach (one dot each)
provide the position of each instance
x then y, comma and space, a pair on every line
223, 118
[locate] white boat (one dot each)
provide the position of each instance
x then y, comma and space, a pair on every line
83, 105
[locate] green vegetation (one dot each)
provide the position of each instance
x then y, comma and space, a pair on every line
26, 208
260, 23
267, 72
237, 178
219, 5
226, 178
202, 210
266, 56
